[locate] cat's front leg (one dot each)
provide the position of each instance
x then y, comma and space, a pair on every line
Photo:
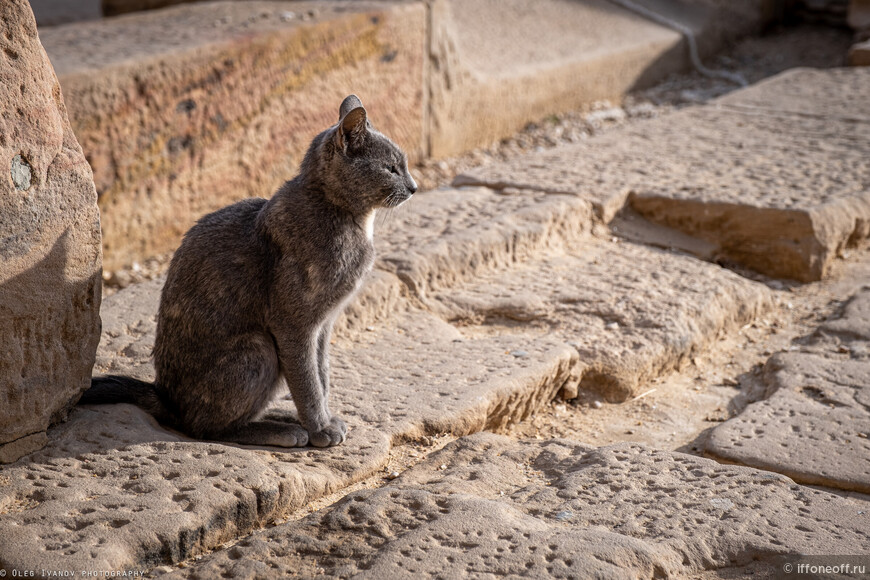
323, 355
300, 363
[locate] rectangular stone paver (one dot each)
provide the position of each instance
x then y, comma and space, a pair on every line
776, 175
489, 506
815, 427
632, 312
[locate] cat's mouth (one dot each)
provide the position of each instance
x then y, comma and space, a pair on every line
396, 198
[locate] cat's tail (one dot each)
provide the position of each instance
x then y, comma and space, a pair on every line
118, 389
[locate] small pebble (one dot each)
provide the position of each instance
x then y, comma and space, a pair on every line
393, 475
519, 353
443, 467
612, 326
597, 404
288, 16
564, 515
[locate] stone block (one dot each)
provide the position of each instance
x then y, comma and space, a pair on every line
750, 174
488, 506
49, 245
815, 425
186, 109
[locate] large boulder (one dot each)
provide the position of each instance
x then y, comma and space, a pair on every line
50, 253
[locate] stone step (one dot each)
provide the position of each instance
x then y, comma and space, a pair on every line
433, 365
815, 425
184, 109
490, 506
633, 313
773, 175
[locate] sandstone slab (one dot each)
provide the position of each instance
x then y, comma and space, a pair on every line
487, 80
750, 173
114, 490
449, 236
49, 245
489, 506
633, 313
185, 109
815, 426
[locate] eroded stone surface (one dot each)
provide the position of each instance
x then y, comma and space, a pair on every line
49, 245
113, 490
751, 172
815, 427
185, 109
488, 505
449, 236
157, 497
632, 312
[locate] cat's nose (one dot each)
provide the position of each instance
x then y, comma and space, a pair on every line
411, 185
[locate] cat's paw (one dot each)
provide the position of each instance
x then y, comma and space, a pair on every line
332, 434
290, 436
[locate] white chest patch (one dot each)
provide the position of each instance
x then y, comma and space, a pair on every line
370, 225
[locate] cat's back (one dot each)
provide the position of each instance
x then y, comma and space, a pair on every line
221, 266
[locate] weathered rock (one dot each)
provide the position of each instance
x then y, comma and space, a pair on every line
418, 376
633, 313
752, 179
815, 427
186, 109
114, 491
49, 245
486, 505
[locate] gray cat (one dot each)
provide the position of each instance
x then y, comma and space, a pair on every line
252, 293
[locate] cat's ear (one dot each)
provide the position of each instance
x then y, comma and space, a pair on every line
350, 103
352, 122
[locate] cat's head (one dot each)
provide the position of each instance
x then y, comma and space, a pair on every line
361, 168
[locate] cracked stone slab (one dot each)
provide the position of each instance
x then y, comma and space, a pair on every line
775, 175
815, 426
632, 312
114, 490
486, 505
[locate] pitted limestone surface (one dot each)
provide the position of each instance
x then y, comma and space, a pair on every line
418, 376
113, 490
732, 172
632, 312
448, 236
815, 427
408, 373
486, 505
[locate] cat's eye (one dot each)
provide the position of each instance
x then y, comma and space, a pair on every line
393, 170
